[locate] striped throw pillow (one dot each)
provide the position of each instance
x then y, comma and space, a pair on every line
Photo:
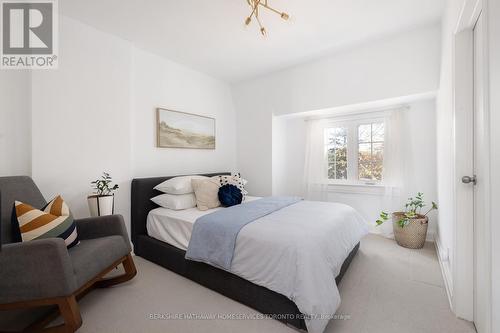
54, 220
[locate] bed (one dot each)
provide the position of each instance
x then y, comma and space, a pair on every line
167, 247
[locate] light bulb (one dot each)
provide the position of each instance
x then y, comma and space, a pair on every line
285, 16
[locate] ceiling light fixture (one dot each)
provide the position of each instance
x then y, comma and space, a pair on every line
254, 4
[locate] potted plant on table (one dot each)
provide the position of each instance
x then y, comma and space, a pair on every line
102, 201
410, 226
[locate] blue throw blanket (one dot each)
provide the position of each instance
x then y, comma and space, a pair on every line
214, 235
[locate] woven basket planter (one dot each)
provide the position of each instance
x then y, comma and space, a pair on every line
413, 234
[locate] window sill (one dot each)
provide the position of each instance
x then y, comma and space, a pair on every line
357, 188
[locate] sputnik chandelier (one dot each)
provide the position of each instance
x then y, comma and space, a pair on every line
255, 6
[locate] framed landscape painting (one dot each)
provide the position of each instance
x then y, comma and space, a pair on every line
184, 130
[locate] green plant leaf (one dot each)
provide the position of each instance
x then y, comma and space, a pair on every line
403, 222
103, 185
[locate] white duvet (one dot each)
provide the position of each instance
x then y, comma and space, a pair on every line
298, 251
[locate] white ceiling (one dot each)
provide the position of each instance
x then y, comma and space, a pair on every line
210, 36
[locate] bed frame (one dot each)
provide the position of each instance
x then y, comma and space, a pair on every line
259, 298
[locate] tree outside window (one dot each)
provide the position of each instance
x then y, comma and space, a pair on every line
355, 151
337, 152
370, 151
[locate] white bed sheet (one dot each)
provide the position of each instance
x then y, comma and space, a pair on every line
296, 251
175, 226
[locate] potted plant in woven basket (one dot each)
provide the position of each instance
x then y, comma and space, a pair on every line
102, 201
410, 225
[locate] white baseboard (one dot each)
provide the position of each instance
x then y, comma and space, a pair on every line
444, 263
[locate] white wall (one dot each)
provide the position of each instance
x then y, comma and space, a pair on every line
444, 119
81, 117
420, 160
97, 113
493, 12
289, 151
161, 83
15, 122
396, 66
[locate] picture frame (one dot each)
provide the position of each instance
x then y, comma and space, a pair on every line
177, 129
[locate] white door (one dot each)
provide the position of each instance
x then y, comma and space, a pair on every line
482, 317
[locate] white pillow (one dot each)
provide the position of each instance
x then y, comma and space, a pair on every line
175, 201
207, 193
178, 185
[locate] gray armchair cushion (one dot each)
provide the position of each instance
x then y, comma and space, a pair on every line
34, 270
46, 268
92, 256
95, 227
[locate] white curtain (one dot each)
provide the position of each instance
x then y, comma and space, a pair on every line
395, 151
395, 169
315, 166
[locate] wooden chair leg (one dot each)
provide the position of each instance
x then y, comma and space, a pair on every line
68, 308
41, 324
129, 266
70, 311
130, 272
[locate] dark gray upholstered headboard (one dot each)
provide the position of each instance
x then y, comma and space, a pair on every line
142, 192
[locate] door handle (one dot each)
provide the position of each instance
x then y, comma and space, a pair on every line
468, 179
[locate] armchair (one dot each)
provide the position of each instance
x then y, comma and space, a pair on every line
44, 272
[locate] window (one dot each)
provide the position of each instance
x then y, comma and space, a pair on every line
355, 151
336, 143
370, 151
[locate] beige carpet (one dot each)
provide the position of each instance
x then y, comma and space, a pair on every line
387, 289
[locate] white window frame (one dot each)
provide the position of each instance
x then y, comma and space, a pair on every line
352, 124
